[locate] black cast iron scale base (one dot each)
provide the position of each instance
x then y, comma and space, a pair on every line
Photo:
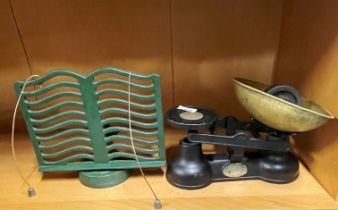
268, 158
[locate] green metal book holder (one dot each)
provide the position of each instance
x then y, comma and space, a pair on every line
81, 123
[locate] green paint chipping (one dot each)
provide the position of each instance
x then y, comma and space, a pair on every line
80, 122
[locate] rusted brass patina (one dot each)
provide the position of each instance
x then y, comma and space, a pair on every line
278, 113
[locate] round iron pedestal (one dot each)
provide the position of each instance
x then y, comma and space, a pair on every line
103, 179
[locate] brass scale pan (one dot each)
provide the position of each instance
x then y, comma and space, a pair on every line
276, 112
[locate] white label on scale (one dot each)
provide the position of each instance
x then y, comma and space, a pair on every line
187, 109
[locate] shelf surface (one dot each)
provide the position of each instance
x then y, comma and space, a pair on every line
64, 190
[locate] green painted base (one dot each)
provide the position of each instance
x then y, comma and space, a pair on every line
103, 179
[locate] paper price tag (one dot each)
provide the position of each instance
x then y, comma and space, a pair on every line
187, 109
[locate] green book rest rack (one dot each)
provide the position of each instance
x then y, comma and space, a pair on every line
81, 123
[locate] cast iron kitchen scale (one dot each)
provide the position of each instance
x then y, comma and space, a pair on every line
259, 149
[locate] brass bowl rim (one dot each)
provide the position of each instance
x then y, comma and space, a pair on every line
240, 81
